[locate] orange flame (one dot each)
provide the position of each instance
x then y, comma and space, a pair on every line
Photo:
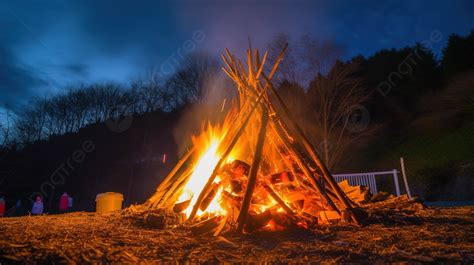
211, 143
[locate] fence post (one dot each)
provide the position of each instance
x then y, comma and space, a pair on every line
404, 174
395, 179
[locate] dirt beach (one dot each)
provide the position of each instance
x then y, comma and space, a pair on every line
392, 233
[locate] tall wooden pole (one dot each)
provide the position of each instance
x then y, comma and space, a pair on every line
310, 150
252, 180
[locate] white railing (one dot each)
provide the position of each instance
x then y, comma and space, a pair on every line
368, 179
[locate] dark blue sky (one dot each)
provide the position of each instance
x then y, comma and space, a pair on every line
47, 45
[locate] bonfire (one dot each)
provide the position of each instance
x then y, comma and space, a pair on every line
256, 170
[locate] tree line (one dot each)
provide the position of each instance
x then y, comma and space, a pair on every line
96, 103
339, 103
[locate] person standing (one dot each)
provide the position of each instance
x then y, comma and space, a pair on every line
63, 203
37, 206
2, 205
69, 203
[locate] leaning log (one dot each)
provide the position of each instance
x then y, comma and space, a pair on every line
242, 219
206, 226
257, 221
278, 200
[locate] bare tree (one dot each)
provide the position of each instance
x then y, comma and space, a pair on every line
77, 107
5, 125
188, 83
337, 119
108, 101
151, 93
331, 110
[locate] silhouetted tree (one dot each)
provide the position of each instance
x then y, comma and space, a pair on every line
458, 56
188, 83
5, 126
337, 118
150, 93
397, 79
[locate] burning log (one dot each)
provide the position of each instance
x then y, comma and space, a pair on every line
220, 227
299, 204
293, 194
282, 177
278, 200
257, 221
232, 205
283, 220
181, 206
326, 217
232, 199
236, 186
210, 196
242, 219
206, 226
312, 207
240, 168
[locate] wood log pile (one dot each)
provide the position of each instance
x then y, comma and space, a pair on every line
279, 180
278, 203
358, 194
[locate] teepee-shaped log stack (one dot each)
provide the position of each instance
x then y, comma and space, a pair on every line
273, 143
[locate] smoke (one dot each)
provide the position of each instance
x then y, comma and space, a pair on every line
218, 92
229, 24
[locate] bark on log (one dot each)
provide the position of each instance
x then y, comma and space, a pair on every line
278, 200
206, 226
253, 172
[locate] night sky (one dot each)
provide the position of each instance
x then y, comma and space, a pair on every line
48, 45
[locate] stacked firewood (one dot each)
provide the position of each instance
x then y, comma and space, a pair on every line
358, 194
279, 202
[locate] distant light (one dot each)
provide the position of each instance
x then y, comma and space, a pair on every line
164, 158
223, 106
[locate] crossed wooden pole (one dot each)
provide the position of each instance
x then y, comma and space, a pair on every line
254, 97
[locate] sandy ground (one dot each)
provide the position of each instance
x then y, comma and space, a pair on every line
391, 234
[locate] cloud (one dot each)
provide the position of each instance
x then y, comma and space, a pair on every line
47, 45
17, 81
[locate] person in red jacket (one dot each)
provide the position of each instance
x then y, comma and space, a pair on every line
2, 205
63, 202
